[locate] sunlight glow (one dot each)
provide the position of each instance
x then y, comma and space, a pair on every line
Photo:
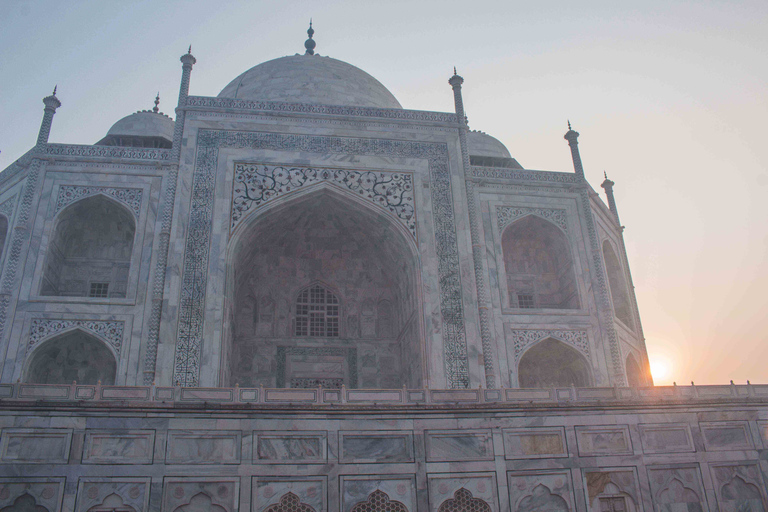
661, 369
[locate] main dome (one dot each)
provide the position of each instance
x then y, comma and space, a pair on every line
310, 79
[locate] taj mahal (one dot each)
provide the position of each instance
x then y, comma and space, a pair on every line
299, 296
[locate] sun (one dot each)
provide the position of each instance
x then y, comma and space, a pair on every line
661, 369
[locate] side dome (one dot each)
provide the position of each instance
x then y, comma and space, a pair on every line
144, 129
310, 79
482, 144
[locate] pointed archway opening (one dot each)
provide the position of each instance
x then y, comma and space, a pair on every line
539, 265
72, 356
323, 291
618, 285
634, 373
89, 254
552, 363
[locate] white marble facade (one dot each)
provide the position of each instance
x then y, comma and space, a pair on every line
185, 304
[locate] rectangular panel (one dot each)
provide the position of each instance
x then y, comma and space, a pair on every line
203, 447
459, 445
99, 494
118, 447
199, 493
666, 438
459, 492
375, 446
378, 493
677, 488
36, 446
726, 435
47, 492
290, 493
289, 447
534, 443
739, 487
608, 440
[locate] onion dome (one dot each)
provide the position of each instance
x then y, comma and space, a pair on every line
143, 129
488, 151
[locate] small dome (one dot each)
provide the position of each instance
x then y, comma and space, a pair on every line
310, 79
142, 129
482, 144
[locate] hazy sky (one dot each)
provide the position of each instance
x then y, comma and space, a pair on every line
670, 98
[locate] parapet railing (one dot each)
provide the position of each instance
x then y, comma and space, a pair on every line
381, 397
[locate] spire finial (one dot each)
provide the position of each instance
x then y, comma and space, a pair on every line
454, 70
190, 50
605, 175
569, 125
156, 109
310, 44
55, 87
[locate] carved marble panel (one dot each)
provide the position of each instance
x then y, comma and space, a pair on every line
35, 446
28, 493
612, 487
130, 197
666, 438
375, 446
677, 488
290, 447
726, 435
523, 338
739, 487
506, 215
120, 494
458, 445
203, 447
289, 494
532, 491
534, 443
193, 494
459, 492
118, 447
608, 440
378, 493
44, 328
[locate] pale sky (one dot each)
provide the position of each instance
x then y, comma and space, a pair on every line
670, 98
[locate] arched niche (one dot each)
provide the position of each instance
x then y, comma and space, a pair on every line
635, 376
323, 243
90, 249
539, 265
72, 356
552, 363
618, 285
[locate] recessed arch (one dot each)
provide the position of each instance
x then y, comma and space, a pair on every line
352, 249
539, 266
617, 284
75, 355
89, 250
552, 363
3, 232
634, 372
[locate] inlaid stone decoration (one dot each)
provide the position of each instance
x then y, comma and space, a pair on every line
463, 445
524, 338
289, 494
534, 443
611, 489
463, 501
194, 494
68, 194
35, 446
379, 501
290, 447
107, 494
739, 487
118, 447
544, 490
506, 215
606, 440
378, 493
257, 184
44, 328
451, 492
666, 438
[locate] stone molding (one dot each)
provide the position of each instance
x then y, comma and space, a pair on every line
207, 102
41, 329
197, 245
7, 207
79, 150
258, 184
506, 215
524, 338
524, 175
130, 197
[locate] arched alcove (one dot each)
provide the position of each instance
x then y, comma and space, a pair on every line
90, 249
618, 285
539, 265
552, 363
634, 373
336, 285
72, 356
3, 232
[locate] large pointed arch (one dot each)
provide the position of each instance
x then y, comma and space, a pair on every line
89, 250
618, 285
539, 265
635, 376
552, 363
324, 236
74, 355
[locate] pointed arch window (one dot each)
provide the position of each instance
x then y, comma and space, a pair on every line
317, 313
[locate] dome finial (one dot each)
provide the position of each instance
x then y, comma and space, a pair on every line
569, 125
190, 50
55, 87
156, 109
310, 44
